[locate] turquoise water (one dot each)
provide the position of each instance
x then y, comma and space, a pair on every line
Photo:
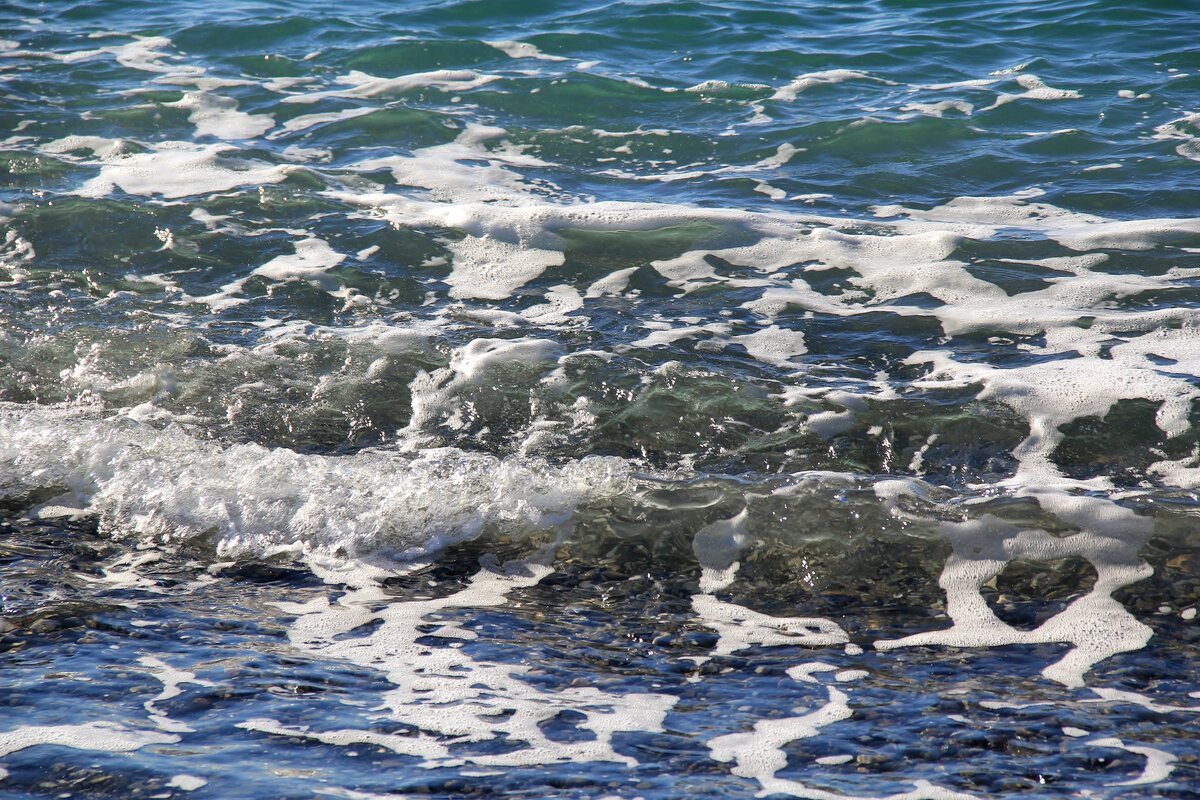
636, 399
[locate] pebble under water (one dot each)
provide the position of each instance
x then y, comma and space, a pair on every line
591, 400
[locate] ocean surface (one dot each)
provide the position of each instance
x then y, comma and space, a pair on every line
499, 398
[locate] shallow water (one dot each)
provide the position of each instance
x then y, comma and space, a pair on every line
706, 399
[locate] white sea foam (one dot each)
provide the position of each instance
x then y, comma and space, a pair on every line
362, 85
215, 115
1053, 393
102, 736
717, 547
180, 169
1096, 625
774, 345
759, 752
99, 145
306, 121
312, 260
741, 628
810, 79
446, 695
492, 269
940, 108
171, 679
1159, 762
1035, 89
145, 53
188, 783
313, 257
1117, 696
433, 393
514, 49
1185, 130
165, 485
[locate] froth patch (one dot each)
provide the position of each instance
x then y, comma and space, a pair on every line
759, 753
1158, 767
171, 679
514, 49
1053, 393
99, 145
741, 628
773, 345
1035, 89
940, 108
107, 736
492, 269
433, 393
144, 53
216, 115
362, 85
188, 783
180, 169
311, 262
473, 168
1096, 624
166, 485
984, 217
803, 83
306, 121
312, 258
447, 696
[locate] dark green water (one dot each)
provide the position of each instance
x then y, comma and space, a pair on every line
592, 400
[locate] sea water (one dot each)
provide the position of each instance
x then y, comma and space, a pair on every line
600, 399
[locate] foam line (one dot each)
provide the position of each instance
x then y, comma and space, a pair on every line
103, 736
164, 485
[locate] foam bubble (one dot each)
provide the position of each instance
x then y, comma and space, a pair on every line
492, 269
1186, 130
1097, 625
717, 547
1110, 695
166, 485
1051, 394
99, 145
171, 679
188, 783
145, 53
808, 80
1159, 763
759, 754
514, 49
1035, 89
432, 393
741, 628
445, 694
773, 345
940, 108
180, 169
215, 115
104, 736
306, 121
313, 257
363, 85
311, 262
